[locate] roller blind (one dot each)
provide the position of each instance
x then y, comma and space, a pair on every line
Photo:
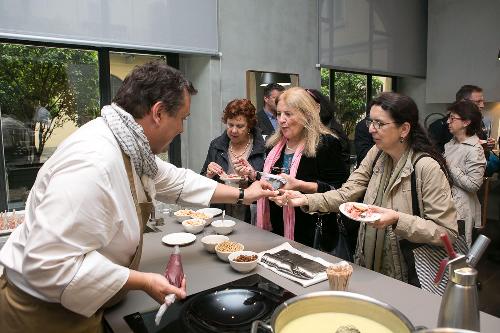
188, 26
374, 36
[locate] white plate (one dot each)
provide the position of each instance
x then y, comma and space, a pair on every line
210, 211
374, 217
178, 238
231, 179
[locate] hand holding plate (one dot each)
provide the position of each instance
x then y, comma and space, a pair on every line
387, 217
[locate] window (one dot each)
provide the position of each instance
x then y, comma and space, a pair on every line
46, 93
351, 93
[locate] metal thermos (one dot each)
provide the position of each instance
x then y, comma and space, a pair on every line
460, 303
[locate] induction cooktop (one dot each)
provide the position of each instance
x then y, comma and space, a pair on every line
231, 307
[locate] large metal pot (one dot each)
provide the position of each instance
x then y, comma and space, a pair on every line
336, 302
444, 330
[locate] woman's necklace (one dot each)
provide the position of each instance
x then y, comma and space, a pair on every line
290, 149
240, 155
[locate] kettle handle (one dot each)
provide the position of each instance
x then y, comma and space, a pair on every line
257, 323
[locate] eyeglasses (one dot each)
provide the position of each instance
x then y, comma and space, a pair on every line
451, 118
376, 123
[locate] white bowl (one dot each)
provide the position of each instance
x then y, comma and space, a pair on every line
224, 255
210, 241
223, 227
194, 226
243, 267
182, 218
232, 181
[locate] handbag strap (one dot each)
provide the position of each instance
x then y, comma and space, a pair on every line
414, 197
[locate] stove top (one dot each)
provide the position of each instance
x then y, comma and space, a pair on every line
231, 307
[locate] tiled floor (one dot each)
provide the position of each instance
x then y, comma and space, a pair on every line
489, 266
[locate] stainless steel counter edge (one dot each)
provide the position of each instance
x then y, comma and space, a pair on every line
205, 270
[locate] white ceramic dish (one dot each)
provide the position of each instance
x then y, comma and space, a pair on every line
209, 242
194, 226
182, 215
212, 212
178, 238
275, 180
369, 219
223, 227
224, 255
243, 267
232, 181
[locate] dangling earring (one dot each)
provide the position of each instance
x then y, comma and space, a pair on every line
401, 139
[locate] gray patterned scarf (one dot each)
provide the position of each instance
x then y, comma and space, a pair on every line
131, 138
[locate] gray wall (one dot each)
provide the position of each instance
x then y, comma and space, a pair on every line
374, 36
273, 36
463, 45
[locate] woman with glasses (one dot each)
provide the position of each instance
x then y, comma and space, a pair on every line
241, 143
465, 157
384, 178
309, 156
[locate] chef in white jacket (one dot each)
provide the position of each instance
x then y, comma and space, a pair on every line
81, 241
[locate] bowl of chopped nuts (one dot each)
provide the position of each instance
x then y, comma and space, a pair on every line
243, 261
225, 248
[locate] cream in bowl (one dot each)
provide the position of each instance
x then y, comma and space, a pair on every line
243, 261
193, 225
209, 242
223, 227
225, 248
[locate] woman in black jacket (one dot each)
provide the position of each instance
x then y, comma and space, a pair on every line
241, 143
309, 156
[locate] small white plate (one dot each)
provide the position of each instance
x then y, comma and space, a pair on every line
372, 218
178, 238
210, 211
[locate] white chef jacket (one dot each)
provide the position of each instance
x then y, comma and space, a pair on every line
81, 227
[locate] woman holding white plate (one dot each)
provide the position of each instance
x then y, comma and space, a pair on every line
240, 142
401, 149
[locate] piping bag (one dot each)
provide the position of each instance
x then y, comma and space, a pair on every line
174, 274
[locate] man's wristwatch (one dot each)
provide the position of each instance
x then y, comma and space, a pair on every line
241, 196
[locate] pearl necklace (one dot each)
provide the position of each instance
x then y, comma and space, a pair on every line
244, 151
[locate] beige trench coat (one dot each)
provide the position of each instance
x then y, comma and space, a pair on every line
433, 190
467, 163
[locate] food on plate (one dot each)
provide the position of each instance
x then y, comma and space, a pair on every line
245, 258
356, 210
228, 246
9, 221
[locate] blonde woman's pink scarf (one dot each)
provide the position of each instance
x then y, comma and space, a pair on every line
263, 211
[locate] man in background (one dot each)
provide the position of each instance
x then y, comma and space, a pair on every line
439, 132
266, 118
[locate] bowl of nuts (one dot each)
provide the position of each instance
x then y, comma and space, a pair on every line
225, 248
243, 261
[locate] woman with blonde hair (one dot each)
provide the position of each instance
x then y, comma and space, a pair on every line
308, 156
